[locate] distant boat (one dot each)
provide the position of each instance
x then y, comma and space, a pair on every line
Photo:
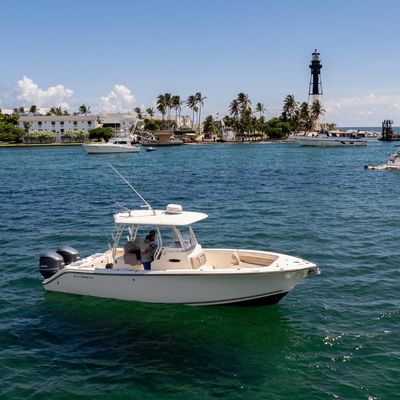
150, 148
332, 138
392, 163
117, 144
162, 138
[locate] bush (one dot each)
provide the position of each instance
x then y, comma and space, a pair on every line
100, 133
151, 125
39, 137
74, 136
276, 129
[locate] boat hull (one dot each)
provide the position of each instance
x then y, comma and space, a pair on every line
329, 141
191, 288
110, 149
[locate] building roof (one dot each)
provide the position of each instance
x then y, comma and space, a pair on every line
34, 118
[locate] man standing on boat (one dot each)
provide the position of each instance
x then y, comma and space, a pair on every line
146, 252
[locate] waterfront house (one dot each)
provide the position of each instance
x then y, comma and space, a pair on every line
58, 123
119, 121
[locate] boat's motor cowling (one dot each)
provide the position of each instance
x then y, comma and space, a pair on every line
69, 254
50, 263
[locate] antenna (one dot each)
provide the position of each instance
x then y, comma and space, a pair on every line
140, 196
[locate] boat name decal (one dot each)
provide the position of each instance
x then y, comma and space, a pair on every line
83, 276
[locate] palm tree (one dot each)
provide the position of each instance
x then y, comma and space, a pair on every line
289, 106
168, 105
176, 104
316, 111
33, 109
161, 105
244, 101
260, 109
210, 125
200, 101
84, 110
138, 111
191, 104
150, 112
234, 108
304, 116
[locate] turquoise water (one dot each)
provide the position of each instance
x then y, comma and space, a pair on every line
335, 336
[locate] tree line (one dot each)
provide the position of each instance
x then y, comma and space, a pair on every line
240, 117
33, 109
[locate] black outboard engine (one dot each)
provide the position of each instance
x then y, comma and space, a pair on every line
69, 254
50, 263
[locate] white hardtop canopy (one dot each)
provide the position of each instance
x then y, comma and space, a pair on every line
172, 216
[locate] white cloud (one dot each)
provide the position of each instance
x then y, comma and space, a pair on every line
119, 99
30, 93
365, 110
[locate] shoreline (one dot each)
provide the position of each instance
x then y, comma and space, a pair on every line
6, 145
38, 144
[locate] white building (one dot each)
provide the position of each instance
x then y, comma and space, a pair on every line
58, 123
119, 121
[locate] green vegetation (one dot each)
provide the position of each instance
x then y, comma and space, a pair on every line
242, 119
9, 131
74, 136
210, 125
151, 125
84, 110
57, 111
40, 137
276, 129
100, 134
301, 117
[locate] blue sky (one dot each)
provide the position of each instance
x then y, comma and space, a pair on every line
76, 52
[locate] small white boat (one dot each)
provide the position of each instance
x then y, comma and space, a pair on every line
182, 271
117, 144
392, 163
330, 139
150, 148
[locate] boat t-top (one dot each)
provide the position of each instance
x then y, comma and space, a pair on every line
181, 270
119, 143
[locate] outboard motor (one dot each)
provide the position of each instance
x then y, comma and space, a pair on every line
69, 254
50, 263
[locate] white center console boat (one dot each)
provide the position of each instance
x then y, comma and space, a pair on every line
182, 271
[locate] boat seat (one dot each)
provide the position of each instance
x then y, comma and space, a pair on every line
197, 261
130, 258
261, 261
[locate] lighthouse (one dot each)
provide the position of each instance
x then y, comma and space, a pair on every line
315, 88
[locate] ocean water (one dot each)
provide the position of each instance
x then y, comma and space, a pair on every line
336, 336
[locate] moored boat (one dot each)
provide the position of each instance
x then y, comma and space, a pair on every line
117, 144
333, 138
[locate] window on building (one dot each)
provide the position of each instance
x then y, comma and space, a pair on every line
75, 122
89, 123
62, 130
40, 123
62, 123
53, 123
